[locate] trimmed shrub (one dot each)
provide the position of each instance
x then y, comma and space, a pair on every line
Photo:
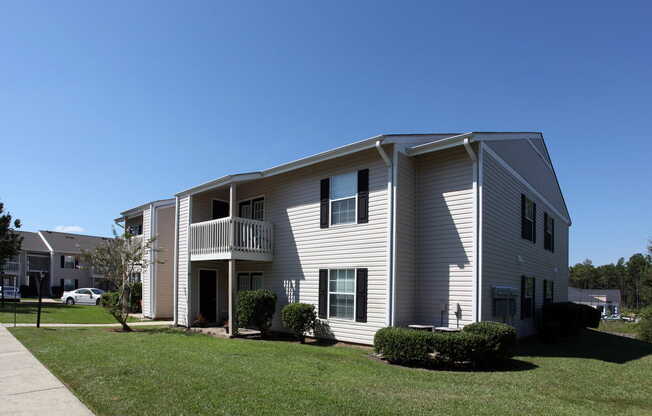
404, 346
255, 309
645, 325
568, 317
299, 318
501, 339
460, 347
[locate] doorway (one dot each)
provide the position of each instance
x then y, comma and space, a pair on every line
208, 295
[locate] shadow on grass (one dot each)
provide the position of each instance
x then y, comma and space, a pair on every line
29, 308
504, 366
592, 345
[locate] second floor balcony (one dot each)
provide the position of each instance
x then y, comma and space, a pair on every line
11, 267
232, 238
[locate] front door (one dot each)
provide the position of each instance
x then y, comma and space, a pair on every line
208, 295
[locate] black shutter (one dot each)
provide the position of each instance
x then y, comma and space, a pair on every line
361, 295
524, 222
545, 291
62, 261
323, 292
534, 222
76, 262
62, 285
522, 297
534, 297
76, 283
552, 291
552, 235
324, 196
363, 196
546, 239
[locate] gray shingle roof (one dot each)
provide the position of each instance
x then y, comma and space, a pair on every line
72, 243
32, 242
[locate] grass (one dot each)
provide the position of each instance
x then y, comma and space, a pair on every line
54, 313
166, 371
618, 327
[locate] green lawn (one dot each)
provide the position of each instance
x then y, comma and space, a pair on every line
166, 371
618, 327
55, 313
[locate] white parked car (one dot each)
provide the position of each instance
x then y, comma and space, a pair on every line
10, 293
83, 296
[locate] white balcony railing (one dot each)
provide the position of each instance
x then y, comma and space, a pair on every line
231, 238
11, 267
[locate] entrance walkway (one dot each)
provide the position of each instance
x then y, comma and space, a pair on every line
28, 388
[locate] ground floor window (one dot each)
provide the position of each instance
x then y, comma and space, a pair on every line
341, 293
527, 297
69, 284
135, 277
548, 291
250, 281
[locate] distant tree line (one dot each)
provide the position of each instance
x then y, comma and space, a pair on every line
633, 277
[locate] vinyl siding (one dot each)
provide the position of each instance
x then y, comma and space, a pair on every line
406, 266
505, 255
147, 273
164, 261
444, 224
183, 269
520, 155
301, 247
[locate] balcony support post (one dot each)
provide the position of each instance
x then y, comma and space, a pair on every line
233, 325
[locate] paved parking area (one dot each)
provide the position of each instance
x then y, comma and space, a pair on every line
28, 388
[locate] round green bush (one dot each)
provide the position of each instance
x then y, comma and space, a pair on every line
645, 325
501, 338
299, 318
255, 309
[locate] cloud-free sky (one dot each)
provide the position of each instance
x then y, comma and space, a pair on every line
106, 105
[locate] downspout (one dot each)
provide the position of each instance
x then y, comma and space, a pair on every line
390, 233
176, 262
476, 245
152, 262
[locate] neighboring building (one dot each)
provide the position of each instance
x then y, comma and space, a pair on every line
56, 254
155, 220
607, 301
440, 229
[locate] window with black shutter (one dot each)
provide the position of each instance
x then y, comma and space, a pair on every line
527, 297
344, 199
548, 232
363, 196
324, 197
361, 295
528, 219
323, 293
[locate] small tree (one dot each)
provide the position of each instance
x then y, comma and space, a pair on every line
10, 242
255, 309
118, 259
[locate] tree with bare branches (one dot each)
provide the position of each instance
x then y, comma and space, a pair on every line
118, 260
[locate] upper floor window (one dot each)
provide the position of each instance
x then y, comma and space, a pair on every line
135, 229
528, 219
548, 232
69, 262
135, 277
343, 193
252, 208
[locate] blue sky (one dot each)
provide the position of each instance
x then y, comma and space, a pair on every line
105, 105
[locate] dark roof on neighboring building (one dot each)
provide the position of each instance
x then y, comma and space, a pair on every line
72, 243
32, 242
593, 295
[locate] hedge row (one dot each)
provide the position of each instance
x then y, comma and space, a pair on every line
480, 343
567, 318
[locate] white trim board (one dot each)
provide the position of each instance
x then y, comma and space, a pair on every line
516, 175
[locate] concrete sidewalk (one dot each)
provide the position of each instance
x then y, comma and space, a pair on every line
116, 325
28, 388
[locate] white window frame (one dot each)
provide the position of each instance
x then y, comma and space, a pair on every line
355, 296
75, 262
529, 214
251, 200
249, 273
331, 199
